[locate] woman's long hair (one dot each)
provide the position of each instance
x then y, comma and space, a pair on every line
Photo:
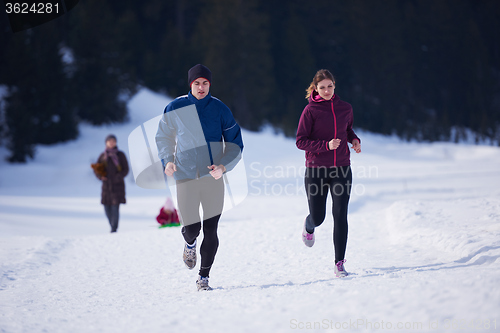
321, 75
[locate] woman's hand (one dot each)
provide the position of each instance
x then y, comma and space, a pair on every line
334, 144
170, 168
356, 146
217, 170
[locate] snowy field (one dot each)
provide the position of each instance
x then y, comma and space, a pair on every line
423, 250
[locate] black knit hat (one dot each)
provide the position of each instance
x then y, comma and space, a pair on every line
198, 71
110, 137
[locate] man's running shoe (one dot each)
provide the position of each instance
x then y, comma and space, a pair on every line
189, 255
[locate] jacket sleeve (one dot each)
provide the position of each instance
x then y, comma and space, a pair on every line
350, 132
231, 132
304, 130
165, 137
100, 159
123, 164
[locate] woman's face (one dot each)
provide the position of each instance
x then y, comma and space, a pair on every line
111, 143
200, 88
325, 89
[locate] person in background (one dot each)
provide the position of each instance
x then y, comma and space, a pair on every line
324, 131
168, 215
114, 166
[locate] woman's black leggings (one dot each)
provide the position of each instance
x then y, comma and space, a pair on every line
338, 182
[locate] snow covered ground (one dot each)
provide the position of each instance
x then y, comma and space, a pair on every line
423, 250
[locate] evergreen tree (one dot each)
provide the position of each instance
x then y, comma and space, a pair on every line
232, 40
294, 63
37, 108
100, 83
168, 29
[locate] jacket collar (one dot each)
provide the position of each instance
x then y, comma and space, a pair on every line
200, 102
316, 98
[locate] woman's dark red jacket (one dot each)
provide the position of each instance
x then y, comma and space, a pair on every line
320, 122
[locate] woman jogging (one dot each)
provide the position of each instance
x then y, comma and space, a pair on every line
324, 131
114, 169
198, 140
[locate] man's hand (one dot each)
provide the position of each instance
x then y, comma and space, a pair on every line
170, 168
217, 170
356, 146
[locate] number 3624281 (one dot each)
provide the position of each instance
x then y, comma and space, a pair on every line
33, 8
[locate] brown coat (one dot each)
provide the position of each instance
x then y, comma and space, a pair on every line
113, 188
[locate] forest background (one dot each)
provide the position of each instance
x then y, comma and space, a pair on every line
419, 69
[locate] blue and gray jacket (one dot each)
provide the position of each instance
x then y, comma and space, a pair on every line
194, 134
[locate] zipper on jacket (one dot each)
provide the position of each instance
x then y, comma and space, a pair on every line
335, 126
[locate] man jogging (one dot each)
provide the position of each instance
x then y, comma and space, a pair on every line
198, 141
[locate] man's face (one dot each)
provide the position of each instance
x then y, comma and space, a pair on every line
200, 88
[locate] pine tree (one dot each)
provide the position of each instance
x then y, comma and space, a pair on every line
37, 108
100, 83
293, 62
232, 40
